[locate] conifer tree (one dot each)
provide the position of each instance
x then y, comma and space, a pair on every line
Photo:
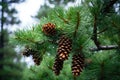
44, 9
10, 66
92, 53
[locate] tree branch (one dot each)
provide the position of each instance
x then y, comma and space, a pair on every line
65, 20
94, 37
102, 31
77, 25
109, 47
36, 42
97, 43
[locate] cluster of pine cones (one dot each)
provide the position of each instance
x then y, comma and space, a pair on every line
35, 55
64, 48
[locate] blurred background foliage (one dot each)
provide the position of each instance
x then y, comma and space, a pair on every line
51, 4
11, 68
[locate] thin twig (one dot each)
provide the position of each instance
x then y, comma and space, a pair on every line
77, 25
29, 40
52, 41
33, 70
115, 25
65, 20
50, 67
109, 47
102, 31
36, 42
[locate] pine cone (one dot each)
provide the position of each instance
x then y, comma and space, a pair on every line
49, 29
77, 64
27, 52
58, 65
36, 58
64, 47
35, 55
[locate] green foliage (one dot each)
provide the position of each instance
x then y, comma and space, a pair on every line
78, 23
12, 67
44, 71
45, 9
59, 2
103, 65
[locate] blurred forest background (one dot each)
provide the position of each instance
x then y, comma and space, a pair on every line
11, 67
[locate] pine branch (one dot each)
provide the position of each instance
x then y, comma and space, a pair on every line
28, 40
94, 37
36, 42
97, 43
77, 25
109, 47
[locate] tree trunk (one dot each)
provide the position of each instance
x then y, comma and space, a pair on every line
2, 39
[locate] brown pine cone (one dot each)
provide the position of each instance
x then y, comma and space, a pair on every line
77, 64
37, 58
58, 65
49, 29
64, 48
27, 52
